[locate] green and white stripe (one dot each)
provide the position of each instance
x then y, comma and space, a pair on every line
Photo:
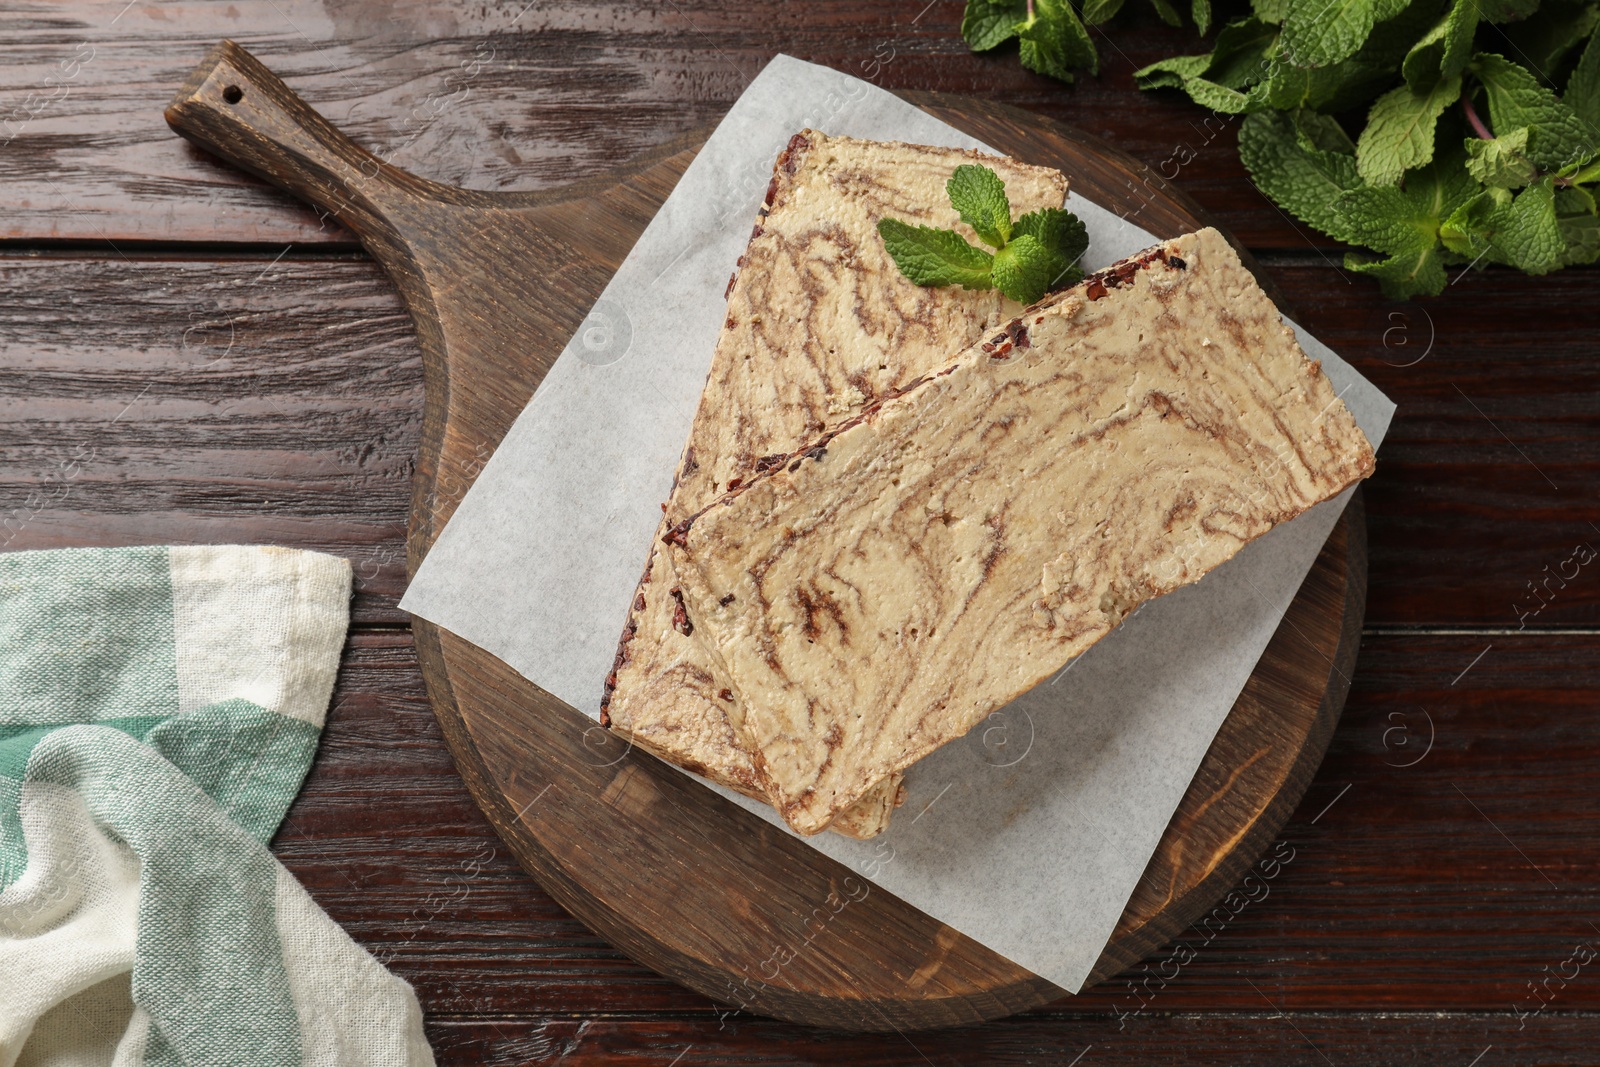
159, 708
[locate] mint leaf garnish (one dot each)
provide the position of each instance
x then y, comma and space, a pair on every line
1064, 239
935, 257
979, 197
1023, 269
1035, 254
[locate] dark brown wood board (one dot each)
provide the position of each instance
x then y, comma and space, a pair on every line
508, 95
580, 810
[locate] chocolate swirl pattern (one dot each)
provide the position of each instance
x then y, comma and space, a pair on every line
877, 593
820, 324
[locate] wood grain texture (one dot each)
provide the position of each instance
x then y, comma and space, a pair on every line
1405, 929
510, 95
250, 399
1400, 896
720, 887
1249, 1038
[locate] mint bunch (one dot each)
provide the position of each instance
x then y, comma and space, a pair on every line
1032, 255
1437, 134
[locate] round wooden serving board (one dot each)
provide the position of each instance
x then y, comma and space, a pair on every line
668, 871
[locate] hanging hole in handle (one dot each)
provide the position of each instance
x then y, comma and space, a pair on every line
233, 94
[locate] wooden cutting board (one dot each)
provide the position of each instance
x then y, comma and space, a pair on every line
678, 878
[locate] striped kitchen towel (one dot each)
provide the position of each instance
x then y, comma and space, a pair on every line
159, 708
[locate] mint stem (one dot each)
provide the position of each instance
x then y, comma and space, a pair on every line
1030, 10
1472, 117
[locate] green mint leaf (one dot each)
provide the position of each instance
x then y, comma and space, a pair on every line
1419, 272
1023, 269
987, 23
1097, 11
1443, 51
1319, 33
1579, 225
1062, 234
1571, 200
1400, 131
1393, 38
935, 257
1172, 72
1168, 13
1526, 233
1200, 11
1243, 55
1320, 133
1305, 183
1420, 68
1209, 94
1466, 230
1270, 10
1578, 174
1054, 42
1502, 162
1443, 185
1523, 231
979, 197
1407, 225
1214, 81
1557, 135
1036, 253
1583, 87
1343, 85
1384, 218
1183, 72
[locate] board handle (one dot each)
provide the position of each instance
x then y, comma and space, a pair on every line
234, 107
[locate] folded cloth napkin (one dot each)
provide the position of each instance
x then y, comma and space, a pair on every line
159, 708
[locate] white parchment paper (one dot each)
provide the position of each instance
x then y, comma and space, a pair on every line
1028, 835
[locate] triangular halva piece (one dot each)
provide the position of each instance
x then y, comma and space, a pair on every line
883, 589
820, 324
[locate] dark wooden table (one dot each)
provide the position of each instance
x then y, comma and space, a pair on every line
191, 357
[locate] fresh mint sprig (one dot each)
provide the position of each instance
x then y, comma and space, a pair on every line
1032, 255
1053, 38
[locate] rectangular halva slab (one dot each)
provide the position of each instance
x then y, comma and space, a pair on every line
820, 323
879, 591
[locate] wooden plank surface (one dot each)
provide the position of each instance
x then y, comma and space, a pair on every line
188, 385
1402, 888
249, 398
1244, 1039
509, 95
